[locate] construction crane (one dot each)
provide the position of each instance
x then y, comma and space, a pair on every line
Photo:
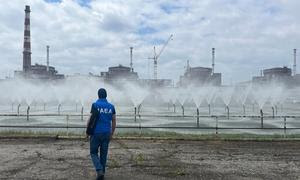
156, 56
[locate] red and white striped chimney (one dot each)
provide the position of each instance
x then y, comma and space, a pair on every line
27, 45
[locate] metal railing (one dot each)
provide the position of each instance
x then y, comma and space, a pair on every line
139, 126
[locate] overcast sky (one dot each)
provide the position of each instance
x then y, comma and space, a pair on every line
91, 35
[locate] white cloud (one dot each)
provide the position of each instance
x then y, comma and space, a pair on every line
248, 35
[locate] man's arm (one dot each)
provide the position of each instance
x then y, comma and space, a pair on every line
91, 113
113, 125
88, 121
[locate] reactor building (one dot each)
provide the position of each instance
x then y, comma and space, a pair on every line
36, 71
199, 76
282, 75
276, 74
119, 73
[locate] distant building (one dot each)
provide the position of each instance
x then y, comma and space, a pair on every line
36, 71
119, 73
277, 73
198, 76
281, 75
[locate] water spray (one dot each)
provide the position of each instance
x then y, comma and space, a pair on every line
273, 112
182, 107
261, 118
82, 113
76, 108
12, 107
44, 106
252, 107
58, 109
198, 117
28, 108
209, 112
244, 110
276, 110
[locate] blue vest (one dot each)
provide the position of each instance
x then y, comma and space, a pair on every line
106, 111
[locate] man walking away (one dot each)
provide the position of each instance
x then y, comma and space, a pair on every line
103, 132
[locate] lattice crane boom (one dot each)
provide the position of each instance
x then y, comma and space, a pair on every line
156, 56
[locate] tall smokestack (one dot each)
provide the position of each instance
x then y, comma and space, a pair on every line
131, 65
294, 66
48, 58
213, 61
27, 45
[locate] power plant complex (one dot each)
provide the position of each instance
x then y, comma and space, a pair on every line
283, 75
196, 76
36, 71
199, 76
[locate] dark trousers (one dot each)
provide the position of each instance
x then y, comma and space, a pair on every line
101, 141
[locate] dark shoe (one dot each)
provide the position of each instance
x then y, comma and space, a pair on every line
100, 175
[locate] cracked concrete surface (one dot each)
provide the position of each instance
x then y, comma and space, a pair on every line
47, 158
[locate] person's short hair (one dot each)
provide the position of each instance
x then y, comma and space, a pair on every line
102, 93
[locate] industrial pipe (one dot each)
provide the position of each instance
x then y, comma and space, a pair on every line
28, 108
182, 107
227, 107
209, 109
276, 110
261, 118
174, 107
198, 117
19, 105
58, 109
273, 112
82, 113
134, 114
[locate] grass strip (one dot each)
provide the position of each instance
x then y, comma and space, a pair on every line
151, 135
